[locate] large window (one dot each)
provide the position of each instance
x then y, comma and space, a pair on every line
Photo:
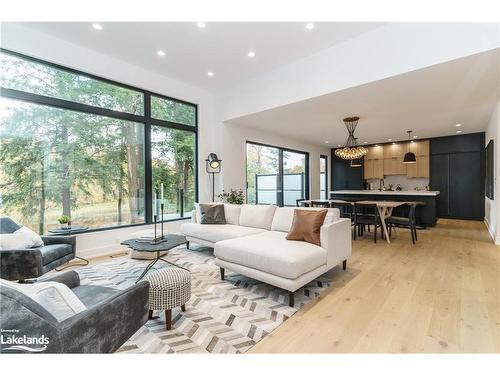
276, 175
77, 145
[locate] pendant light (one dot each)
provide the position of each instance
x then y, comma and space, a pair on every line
351, 150
356, 163
409, 156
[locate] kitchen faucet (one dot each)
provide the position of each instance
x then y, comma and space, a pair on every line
381, 184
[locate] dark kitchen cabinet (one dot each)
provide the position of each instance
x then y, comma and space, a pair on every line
345, 177
457, 170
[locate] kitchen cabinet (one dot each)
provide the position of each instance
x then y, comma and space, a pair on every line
375, 153
394, 150
420, 169
420, 148
457, 171
344, 176
374, 168
394, 166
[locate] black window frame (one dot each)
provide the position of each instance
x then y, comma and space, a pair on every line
145, 119
280, 195
325, 157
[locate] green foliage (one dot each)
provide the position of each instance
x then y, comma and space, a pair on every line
233, 196
64, 219
53, 159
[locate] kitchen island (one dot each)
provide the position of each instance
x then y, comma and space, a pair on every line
426, 214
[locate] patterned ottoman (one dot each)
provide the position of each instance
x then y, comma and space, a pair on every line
168, 288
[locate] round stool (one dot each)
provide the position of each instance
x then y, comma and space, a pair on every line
168, 288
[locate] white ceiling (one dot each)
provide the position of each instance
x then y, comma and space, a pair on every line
221, 47
429, 101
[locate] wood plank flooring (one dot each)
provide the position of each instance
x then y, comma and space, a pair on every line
441, 295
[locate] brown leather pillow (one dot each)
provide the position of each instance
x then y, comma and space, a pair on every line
306, 226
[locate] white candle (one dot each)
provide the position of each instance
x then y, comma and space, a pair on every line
155, 202
161, 193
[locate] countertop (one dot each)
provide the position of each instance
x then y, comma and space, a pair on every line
430, 193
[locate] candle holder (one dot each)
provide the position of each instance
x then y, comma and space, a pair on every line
162, 206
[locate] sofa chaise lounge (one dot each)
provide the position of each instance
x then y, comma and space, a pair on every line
253, 243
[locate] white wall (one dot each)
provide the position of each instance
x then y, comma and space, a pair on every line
234, 155
492, 206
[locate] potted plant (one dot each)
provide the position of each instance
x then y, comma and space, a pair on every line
65, 219
232, 197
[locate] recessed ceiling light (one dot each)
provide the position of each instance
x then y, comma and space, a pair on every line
327, 142
251, 54
160, 53
310, 26
458, 125
338, 146
365, 142
97, 26
201, 25
459, 131
210, 74
415, 136
389, 139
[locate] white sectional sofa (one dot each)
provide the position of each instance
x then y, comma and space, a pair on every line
253, 243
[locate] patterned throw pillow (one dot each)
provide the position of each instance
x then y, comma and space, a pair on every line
212, 214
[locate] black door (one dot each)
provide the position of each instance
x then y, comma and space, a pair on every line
439, 178
465, 196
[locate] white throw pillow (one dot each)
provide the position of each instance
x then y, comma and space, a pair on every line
14, 241
257, 216
232, 213
198, 212
32, 237
283, 217
54, 297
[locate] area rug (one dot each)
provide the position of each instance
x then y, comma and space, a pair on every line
227, 316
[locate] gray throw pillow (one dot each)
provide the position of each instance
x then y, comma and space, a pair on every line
212, 214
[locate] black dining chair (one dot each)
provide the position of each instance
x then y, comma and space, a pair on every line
366, 214
405, 222
346, 212
324, 204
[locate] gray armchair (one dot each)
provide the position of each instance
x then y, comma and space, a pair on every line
111, 318
23, 264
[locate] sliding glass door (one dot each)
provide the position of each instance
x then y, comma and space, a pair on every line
276, 175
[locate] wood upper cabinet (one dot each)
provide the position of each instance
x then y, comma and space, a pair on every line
394, 166
374, 153
387, 160
420, 168
420, 148
374, 168
394, 150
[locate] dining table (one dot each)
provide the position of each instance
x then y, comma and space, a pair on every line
384, 210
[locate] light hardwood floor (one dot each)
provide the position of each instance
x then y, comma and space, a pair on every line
439, 296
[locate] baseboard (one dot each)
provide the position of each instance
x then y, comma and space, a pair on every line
494, 237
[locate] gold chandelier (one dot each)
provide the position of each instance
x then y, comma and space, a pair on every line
351, 150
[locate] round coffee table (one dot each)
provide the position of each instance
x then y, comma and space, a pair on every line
169, 242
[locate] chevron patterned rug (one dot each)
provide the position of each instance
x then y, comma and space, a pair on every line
227, 316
